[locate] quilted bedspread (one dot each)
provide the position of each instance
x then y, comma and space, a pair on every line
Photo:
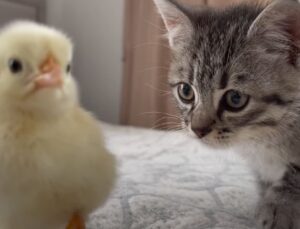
168, 180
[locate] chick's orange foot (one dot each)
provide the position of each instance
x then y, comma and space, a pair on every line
76, 222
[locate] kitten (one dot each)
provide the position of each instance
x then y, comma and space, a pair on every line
236, 76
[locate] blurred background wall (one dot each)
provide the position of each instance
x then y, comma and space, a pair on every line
96, 26
13, 10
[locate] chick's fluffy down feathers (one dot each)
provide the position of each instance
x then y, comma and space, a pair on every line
53, 160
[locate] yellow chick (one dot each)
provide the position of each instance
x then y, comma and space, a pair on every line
54, 167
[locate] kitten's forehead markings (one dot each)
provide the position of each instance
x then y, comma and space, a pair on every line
196, 71
226, 61
224, 79
187, 72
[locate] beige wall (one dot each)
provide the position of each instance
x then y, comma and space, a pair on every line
96, 27
10, 11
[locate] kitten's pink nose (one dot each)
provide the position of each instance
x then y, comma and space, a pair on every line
202, 131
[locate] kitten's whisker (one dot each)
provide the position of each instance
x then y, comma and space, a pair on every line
166, 94
174, 129
167, 124
170, 115
167, 128
163, 92
162, 119
158, 90
171, 130
167, 118
166, 115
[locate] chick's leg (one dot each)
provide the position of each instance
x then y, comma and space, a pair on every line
76, 222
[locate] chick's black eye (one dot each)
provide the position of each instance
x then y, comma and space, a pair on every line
235, 100
186, 93
15, 65
68, 68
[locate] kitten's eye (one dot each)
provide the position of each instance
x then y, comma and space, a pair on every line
15, 65
186, 93
68, 68
235, 100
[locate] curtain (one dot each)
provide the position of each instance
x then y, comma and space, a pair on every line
146, 98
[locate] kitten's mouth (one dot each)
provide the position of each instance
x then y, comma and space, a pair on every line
213, 138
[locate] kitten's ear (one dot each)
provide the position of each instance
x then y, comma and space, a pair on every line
176, 19
279, 26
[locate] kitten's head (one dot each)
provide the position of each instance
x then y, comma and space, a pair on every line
235, 72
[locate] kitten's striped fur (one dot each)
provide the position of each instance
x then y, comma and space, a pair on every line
255, 51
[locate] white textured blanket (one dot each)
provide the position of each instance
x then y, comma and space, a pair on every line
167, 180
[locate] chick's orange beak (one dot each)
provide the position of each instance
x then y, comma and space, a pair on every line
50, 74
